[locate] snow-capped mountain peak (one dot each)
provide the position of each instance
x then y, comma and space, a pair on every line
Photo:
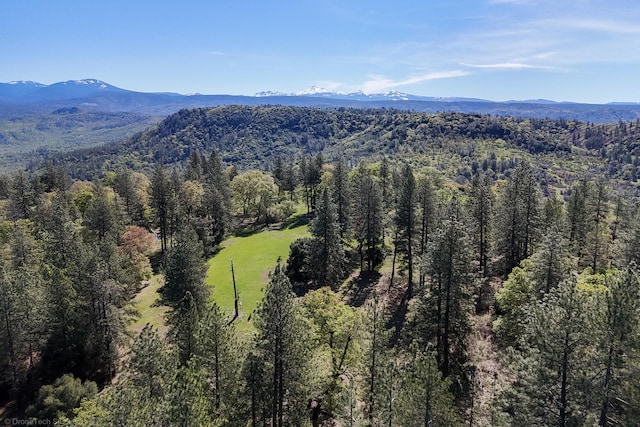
87, 82
266, 93
26, 83
317, 91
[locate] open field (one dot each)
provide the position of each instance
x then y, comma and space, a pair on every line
253, 258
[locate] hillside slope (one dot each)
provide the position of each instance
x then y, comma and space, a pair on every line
23, 139
453, 143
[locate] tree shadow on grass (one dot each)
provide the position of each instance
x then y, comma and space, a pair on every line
358, 289
398, 305
295, 221
156, 259
249, 229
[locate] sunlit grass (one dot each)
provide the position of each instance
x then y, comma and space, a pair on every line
149, 313
253, 258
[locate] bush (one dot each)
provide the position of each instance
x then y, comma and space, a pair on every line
282, 211
59, 399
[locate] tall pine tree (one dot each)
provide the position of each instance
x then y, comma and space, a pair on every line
326, 255
281, 346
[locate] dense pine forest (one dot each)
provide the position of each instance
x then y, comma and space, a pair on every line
458, 270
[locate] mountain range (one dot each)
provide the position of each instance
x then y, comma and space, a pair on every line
22, 98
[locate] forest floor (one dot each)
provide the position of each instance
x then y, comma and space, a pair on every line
491, 376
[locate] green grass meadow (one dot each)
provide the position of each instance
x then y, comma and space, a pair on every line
150, 313
254, 257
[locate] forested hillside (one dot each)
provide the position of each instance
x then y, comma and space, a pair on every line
459, 270
455, 143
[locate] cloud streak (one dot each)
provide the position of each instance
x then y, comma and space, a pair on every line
378, 84
507, 66
602, 26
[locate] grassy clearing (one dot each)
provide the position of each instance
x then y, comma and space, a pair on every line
144, 303
253, 258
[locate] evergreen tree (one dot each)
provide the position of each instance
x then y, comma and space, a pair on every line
618, 324
311, 170
405, 220
161, 195
326, 255
95, 317
424, 398
518, 220
628, 242
150, 365
554, 214
215, 351
342, 196
427, 213
378, 368
256, 389
195, 167
175, 211
187, 401
551, 264
511, 303
598, 236
577, 215
443, 318
184, 289
22, 323
552, 365
277, 171
216, 205
385, 183
281, 345
185, 269
21, 196
183, 320
102, 218
67, 322
481, 204
289, 180
367, 217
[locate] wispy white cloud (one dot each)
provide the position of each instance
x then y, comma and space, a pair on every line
507, 66
379, 83
611, 26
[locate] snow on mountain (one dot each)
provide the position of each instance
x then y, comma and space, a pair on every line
18, 89
266, 93
314, 90
319, 92
27, 83
392, 95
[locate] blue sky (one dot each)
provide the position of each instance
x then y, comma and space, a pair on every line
578, 50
